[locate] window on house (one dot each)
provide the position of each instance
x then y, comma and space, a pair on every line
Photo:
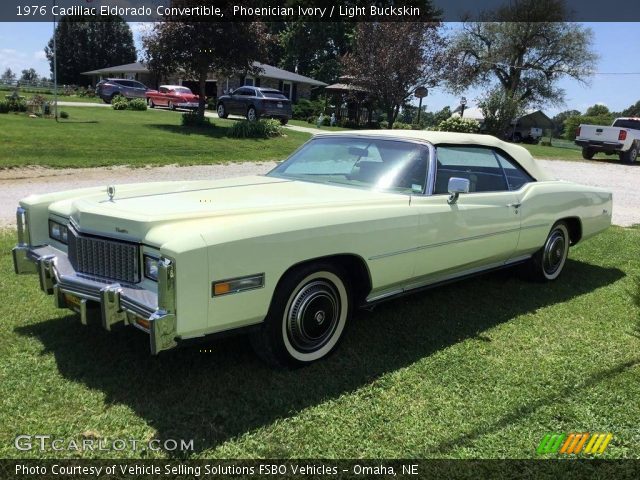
286, 89
249, 81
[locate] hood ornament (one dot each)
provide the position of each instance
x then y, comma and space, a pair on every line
111, 191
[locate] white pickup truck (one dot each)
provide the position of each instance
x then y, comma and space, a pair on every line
622, 137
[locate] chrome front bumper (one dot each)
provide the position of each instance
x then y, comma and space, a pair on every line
99, 298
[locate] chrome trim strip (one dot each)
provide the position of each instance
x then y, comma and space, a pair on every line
409, 287
458, 240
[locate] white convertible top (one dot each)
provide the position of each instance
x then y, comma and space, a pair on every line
518, 153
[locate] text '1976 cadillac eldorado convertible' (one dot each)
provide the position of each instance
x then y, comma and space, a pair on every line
349, 220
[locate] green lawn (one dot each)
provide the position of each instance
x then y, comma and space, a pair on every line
482, 368
94, 137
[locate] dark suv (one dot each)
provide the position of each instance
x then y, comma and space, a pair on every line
111, 87
255, 102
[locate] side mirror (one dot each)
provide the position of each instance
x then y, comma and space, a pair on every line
456, 187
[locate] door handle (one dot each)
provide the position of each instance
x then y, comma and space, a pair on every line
514, 205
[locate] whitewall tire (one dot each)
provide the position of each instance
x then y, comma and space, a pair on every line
308, 315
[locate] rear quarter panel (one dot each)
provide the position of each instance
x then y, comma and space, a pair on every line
544, 203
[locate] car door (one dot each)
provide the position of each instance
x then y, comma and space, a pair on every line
234, 106
138, 90
477, 231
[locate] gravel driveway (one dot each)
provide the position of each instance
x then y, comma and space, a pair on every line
623, 180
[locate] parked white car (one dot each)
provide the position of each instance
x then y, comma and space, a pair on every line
622, 137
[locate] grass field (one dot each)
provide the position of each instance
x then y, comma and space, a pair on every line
479, 369
94, 137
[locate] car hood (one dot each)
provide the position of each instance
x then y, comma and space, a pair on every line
136, 209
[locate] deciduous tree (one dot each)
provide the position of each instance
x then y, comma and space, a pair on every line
29, 75
390, 60
197, 48
525, 53
8, 76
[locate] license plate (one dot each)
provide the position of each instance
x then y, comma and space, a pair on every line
72, 301
279, 105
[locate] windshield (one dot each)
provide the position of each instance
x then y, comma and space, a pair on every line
370, 163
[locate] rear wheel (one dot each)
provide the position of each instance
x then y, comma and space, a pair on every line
588, 153
548, 262
252, 114
171, 106
308, 314
631, 155
222, 112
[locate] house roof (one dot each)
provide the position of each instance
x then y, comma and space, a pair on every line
536, 118
280, 74
267, 71
135, 67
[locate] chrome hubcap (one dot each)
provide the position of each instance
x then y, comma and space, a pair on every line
220, 111
252, 115
313, 316
554, 252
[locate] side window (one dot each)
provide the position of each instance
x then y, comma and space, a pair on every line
479, 165
516, 176
163, 90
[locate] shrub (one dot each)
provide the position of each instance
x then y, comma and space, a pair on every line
64, 115
120, 103
4, 106
307, 108
384, 124
311, 119
401, 126
259, 129
458, 124
137, 104
193, 120
17, 104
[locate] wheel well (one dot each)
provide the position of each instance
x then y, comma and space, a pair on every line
358, 276
575, 229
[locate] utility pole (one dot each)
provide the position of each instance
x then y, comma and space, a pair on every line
55, 66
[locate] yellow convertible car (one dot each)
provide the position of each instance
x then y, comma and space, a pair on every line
349, 220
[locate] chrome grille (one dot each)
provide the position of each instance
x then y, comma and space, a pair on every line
104, 257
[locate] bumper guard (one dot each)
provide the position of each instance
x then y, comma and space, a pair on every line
94, 298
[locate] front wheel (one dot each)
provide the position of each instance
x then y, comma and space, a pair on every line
171, 106
151, 104
222, 112
308, 314
284, 121
548, 262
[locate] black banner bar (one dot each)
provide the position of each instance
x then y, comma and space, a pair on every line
317, 469
316, 11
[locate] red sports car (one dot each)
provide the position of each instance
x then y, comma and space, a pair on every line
172, 96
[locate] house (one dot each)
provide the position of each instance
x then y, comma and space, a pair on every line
293, 85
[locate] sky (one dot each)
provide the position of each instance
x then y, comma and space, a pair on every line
22, 46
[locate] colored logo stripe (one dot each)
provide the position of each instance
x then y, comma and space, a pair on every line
550, 443
598, 443
574, 443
